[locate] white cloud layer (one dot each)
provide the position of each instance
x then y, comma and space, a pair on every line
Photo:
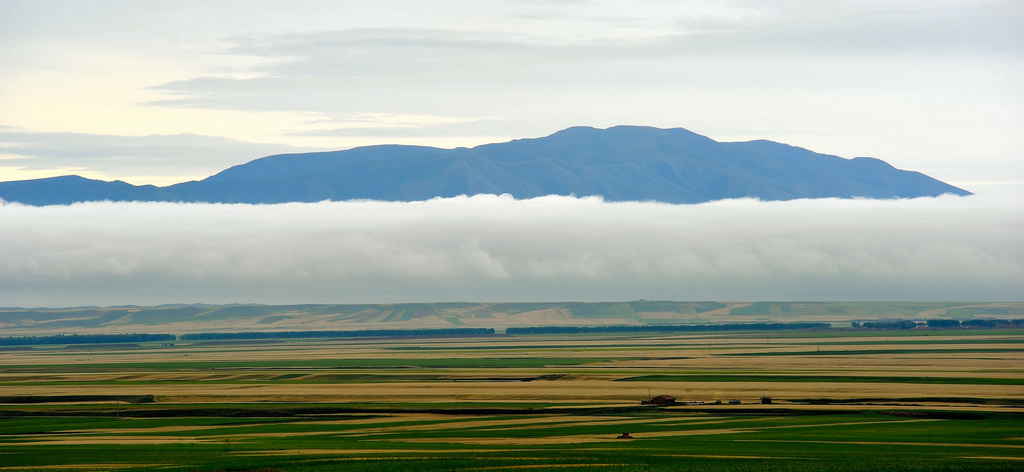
491, 248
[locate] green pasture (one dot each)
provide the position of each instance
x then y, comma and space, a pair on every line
41, 431
812, 377
859, 352
664, 440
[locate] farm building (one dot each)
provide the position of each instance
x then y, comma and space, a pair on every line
659, 400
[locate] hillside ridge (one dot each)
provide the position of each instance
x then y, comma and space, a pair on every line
502, 315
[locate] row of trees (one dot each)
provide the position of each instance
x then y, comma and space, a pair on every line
976, 324
364, 333
939, 324
888, 324
448, 332
665, 328
417, 333
85, 339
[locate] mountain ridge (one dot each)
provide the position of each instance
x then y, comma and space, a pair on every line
618, 163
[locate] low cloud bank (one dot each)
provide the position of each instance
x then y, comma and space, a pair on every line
496, 248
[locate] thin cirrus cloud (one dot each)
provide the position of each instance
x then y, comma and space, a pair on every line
361, 68
845, 78
183, 156
496, 248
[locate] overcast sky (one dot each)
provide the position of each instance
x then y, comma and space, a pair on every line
161, 92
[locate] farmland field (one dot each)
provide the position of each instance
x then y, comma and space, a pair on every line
840, 400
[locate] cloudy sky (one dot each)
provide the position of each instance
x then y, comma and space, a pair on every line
163, 92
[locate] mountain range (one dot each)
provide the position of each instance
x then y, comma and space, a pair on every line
622, 163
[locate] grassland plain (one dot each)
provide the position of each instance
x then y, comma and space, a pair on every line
841, 401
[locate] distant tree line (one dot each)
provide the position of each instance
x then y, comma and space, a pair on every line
85, 339
365, 333
939, 324
976, 324
137, 338
664, 328
450, 332
886, 324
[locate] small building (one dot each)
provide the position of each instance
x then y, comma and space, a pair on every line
734, 402
660, 400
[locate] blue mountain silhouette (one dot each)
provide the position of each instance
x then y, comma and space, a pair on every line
623, 163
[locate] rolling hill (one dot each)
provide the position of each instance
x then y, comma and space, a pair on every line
317, 317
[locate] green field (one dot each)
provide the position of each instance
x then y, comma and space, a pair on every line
840, 401
664, 439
